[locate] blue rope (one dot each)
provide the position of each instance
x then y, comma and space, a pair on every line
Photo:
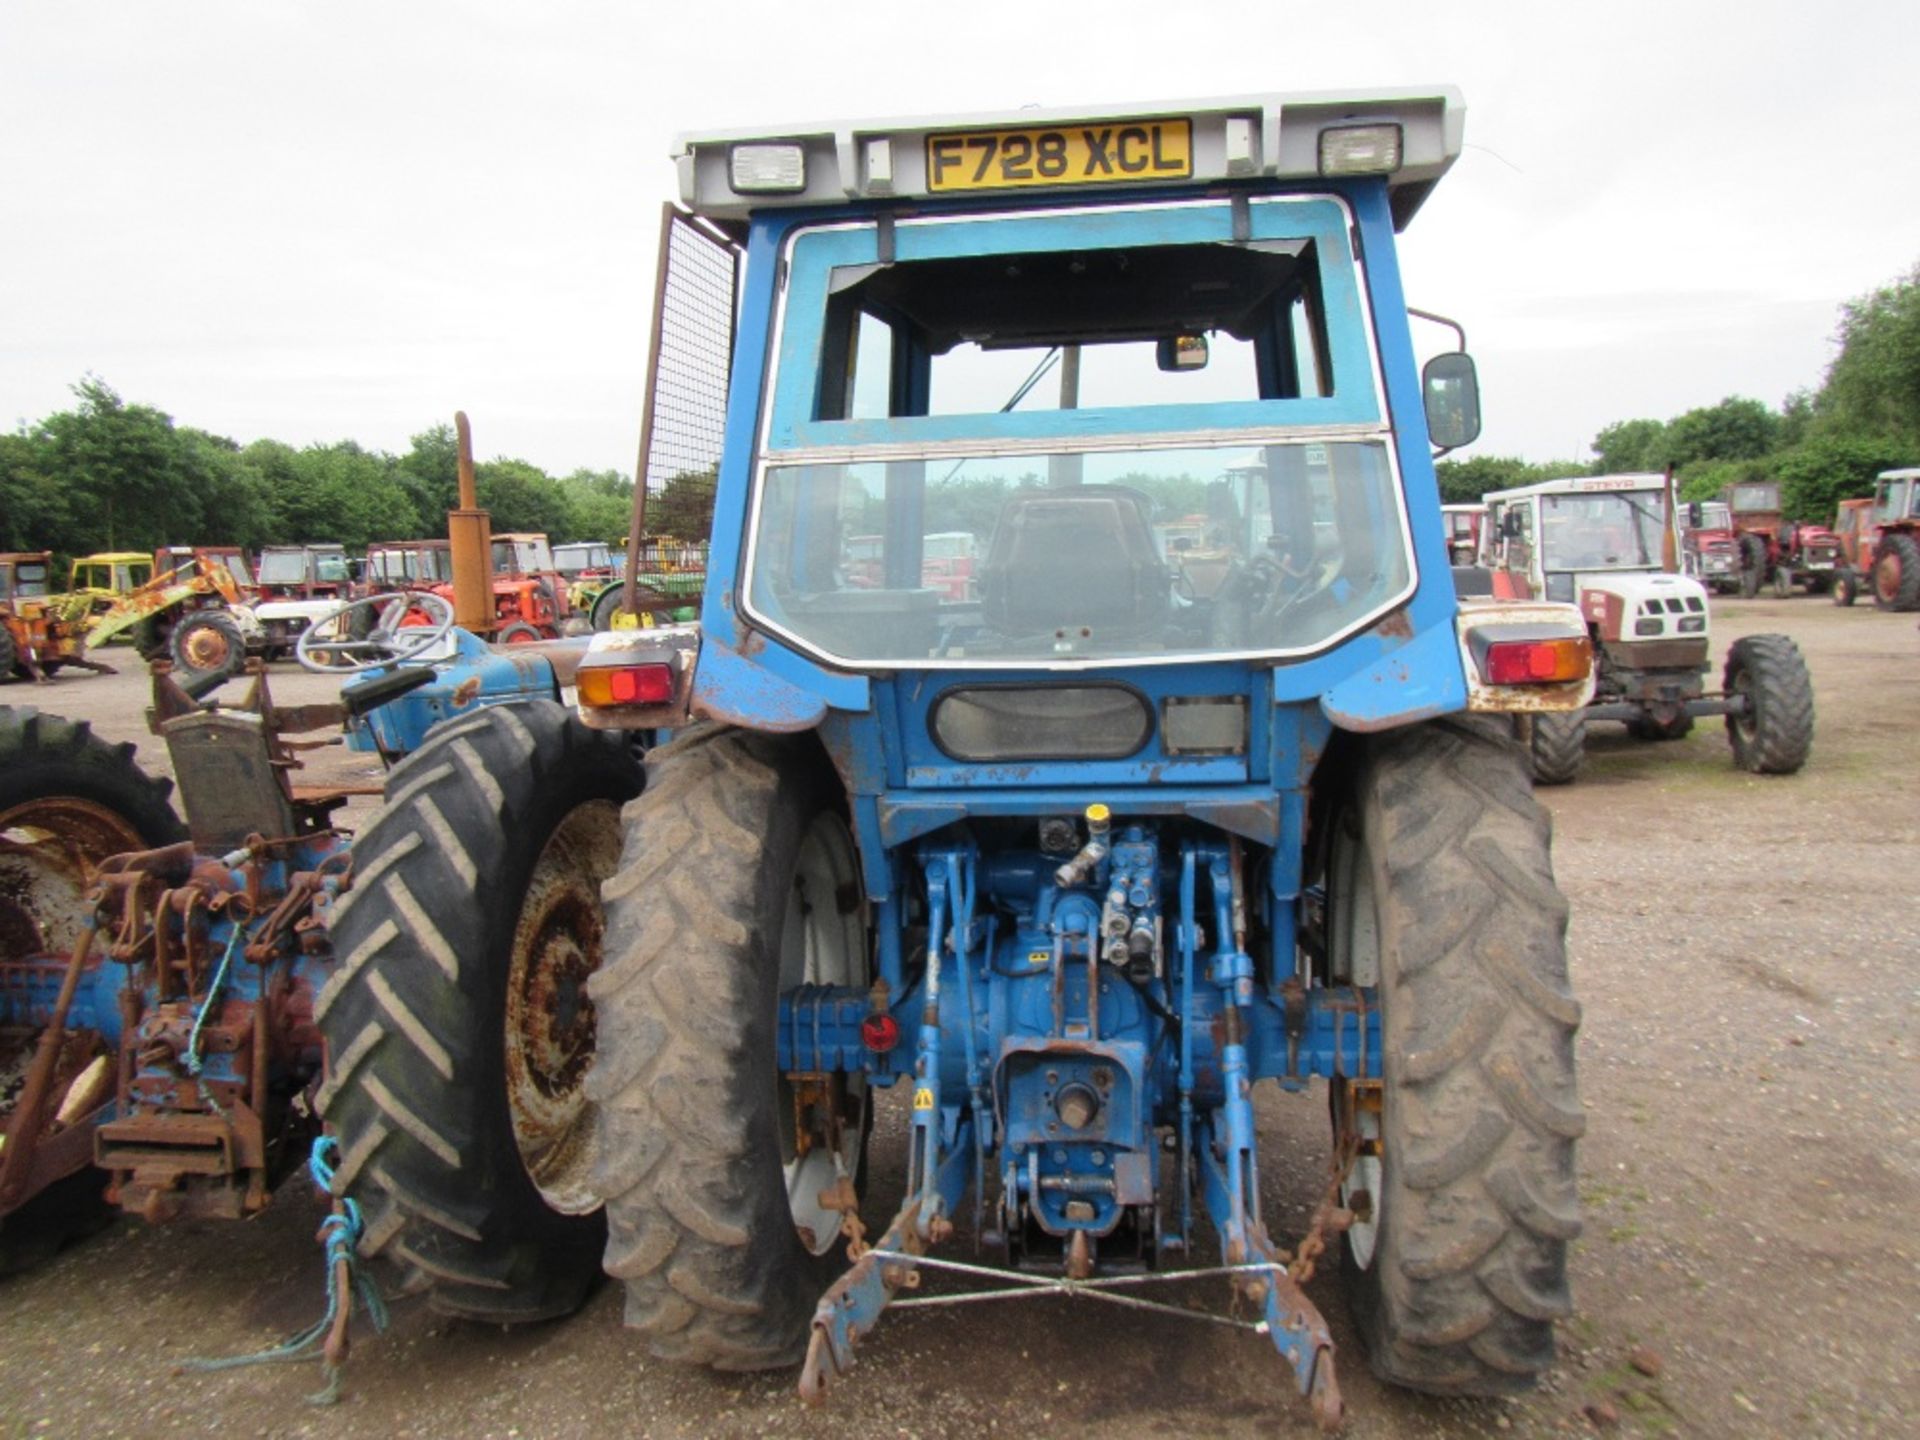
234, 938
341, 1232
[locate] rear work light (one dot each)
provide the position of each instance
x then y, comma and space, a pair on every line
1538, 662
1360, 150
767, 169
601, 686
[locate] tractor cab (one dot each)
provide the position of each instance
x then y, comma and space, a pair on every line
1896, 497
187, 559
110, 576
25, 576
409, 565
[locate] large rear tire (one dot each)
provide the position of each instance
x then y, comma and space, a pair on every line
9, 651
739, 880
457, 1026
1775, 736
1896, 574
1461, 1268
1558, 746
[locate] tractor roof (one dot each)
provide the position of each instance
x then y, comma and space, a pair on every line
1583, 484
1898, 475
1205, 141
116, 557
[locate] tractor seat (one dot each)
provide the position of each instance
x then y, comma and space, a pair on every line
1077, 557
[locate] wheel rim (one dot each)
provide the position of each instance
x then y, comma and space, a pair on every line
822, 942
550, 1027
1364, 1178
207, 647
1354, 958
1886, 577
1742, 686
47, 849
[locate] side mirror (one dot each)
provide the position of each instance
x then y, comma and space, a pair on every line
1181, 352
1450, 388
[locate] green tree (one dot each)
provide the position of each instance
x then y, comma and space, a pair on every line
1735, 429
1873, 385
597, 505
520, 496
1827, 468
36, 511
683, 508
1630, 445
430, 473
121, 464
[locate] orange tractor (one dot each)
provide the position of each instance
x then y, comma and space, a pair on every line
1880, 543
36, 638
529, 593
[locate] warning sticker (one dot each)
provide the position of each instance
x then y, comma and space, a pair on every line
923, 1099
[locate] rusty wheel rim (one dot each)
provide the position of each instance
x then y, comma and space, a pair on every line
207, 647
550, 1027
48, 851
1886, 577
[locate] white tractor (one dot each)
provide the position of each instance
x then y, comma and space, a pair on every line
1609, 544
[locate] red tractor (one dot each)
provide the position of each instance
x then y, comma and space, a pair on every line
1709, 549
1880, 543
1774, 549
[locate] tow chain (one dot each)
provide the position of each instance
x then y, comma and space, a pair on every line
1328, 1215
843, 1198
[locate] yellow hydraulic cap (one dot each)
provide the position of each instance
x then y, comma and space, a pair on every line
1098, 814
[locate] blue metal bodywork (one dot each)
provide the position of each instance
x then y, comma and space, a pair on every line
471, 676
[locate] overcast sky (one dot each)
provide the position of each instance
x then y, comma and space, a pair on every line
342, 220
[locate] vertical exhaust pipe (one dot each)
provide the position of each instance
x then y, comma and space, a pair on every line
470, 537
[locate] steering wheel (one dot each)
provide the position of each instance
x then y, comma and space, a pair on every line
387, 643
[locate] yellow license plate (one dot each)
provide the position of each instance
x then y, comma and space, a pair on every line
1096, 154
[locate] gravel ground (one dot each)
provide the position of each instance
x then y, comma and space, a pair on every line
1745, 950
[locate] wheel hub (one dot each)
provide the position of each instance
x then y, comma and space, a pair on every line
207, 648
550, 1026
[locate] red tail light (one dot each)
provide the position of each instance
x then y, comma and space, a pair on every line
626, 685
1538, 662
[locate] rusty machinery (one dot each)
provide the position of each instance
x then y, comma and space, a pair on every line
158, 990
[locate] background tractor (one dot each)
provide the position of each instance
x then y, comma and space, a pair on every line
1073, 858
1774, 550
196, 613
297, 585
1709, 549
1880, 543
38, 635
668, 578
1608, 544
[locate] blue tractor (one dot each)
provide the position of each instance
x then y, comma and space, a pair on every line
1201, 775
